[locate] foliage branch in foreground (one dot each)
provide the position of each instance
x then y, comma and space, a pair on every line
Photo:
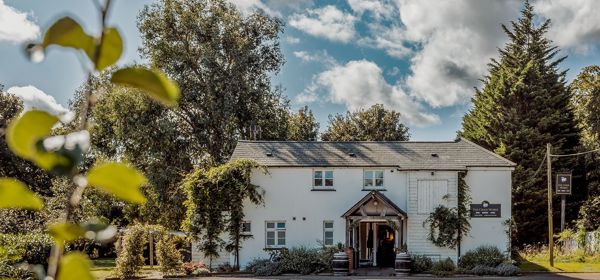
30, 137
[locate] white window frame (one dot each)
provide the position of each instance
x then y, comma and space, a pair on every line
326, 230
373, 179
246, 232
277, 230
323, 179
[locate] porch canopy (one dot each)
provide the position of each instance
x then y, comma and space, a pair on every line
362, 220
374, 204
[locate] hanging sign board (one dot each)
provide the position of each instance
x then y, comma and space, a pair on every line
485, 210
563, 183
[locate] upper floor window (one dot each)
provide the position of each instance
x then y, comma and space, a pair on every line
275, 234
373, 179
323, 179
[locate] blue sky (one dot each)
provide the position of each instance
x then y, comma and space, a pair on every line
421, 58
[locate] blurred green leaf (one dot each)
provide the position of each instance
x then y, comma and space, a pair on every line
118, 179
154, 82
14, 194
74, 266
65, 232
111, 49
24, 135
66, 32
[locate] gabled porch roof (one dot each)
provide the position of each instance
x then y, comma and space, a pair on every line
391, 209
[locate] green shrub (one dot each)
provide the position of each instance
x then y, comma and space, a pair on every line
12, 271
130, 257
489, 256
420, 263
301, 260
326, 254
167, 254
443, 268
269, 269
190, 268
507, 269
33, 248
483, 270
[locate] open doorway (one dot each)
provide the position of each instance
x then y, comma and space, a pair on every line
385, 250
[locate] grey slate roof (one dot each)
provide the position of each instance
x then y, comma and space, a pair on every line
455, 155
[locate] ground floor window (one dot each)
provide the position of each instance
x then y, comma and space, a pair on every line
246, 228
275, 232
328, 233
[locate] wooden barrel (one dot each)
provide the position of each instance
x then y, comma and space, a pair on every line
339, 264
402, 265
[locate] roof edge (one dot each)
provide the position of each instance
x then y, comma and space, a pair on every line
488, 151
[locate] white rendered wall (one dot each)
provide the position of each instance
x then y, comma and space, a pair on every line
288, 195
493, 185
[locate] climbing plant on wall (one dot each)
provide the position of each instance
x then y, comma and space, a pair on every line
227, 187
447, 225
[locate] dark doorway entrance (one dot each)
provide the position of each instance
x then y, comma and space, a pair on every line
385, 247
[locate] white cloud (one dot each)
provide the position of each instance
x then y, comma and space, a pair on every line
33, 98
575, 23
327, 22
15, 26
249, 6
456, 39
292, 40
322, 57
379, 8
360, 84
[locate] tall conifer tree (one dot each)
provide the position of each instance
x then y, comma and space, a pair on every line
524, 104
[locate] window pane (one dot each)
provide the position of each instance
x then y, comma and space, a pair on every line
318, 174
379, 182
318, 182
328, 225
246, 227
379, 174
281, 241
329, 182
368, 174
328, 234
281, 234
329, 174
270, 242
270, 225
280, 225
368, 183
270, 234
329, 241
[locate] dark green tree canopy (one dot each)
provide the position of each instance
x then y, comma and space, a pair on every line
373, 124
222, 61
524, 104
302, 126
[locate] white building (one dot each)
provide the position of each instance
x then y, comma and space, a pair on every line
371, 196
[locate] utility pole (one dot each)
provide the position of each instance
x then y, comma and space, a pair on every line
550, 226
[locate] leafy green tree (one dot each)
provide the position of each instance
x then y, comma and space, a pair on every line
223, 62
131, 126
586, 101
373, 124
302, 126
524, 104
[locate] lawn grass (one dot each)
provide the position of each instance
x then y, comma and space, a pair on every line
104, 268
575, 262
539, 265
